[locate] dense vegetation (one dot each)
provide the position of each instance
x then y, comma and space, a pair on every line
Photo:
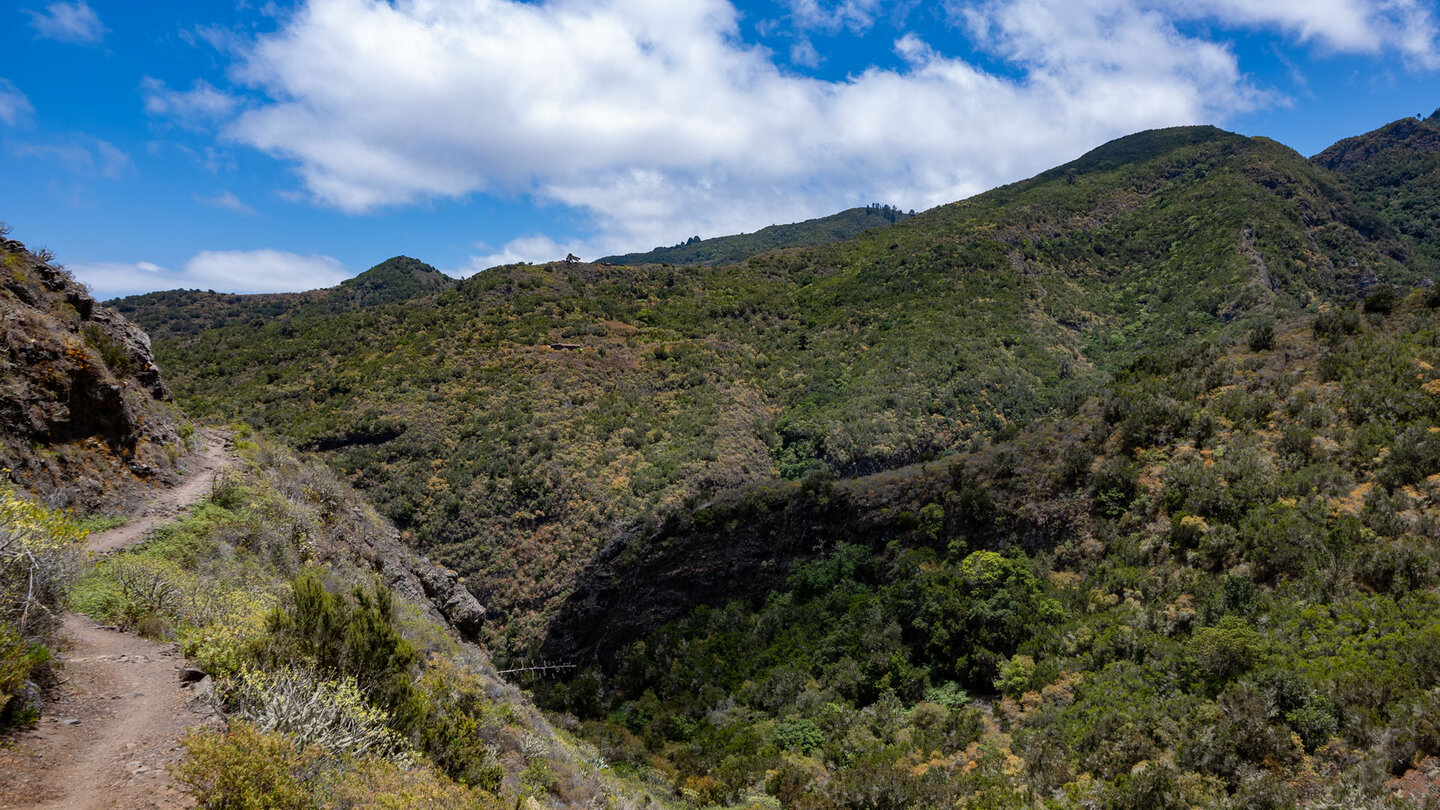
1235, 604
810, 233
1395, 171
514, 461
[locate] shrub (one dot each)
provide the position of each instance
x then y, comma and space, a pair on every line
1116, 485
1262, 338
330, 714
341, 636
456, 724
378, 784
1225, 650
797, 734
1382, 300
246, 769
1015, 675
19, 657
40, 556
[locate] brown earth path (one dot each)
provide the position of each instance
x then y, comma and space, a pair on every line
171, 502
107, 737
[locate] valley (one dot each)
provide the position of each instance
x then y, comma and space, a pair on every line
1113, 487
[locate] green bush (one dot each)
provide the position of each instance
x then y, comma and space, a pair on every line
245, 769
797, 734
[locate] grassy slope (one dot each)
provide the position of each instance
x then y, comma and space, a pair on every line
514, 462
810, 233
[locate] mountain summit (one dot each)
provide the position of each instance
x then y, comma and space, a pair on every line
396, 279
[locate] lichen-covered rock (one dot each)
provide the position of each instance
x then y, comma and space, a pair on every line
84, 414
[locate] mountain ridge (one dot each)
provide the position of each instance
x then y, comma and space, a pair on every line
809, 233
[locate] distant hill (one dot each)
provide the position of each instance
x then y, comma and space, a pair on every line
1395, 171
397, 279
810, 233
179, 313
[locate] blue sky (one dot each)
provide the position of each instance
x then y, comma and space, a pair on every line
272, 146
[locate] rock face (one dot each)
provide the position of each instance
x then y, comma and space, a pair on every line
84, 419
423, 582
369, 538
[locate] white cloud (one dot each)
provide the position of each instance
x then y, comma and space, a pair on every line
236, 271
15, 108
226, 200
68, 22
854, 15
263, 271
659, 121
1349, 26
803, 53
111, 279
82, 155
534, 249
200, 106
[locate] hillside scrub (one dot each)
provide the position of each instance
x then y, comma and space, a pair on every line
895, 347
335, 689
1245, 617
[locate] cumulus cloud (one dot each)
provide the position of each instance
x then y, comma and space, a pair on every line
1405, 27
112, 279
236, 271
263, 271
15, 108
657, 119
68, 22
854, 15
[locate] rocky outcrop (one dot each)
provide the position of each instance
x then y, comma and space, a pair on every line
84, 419
372, 540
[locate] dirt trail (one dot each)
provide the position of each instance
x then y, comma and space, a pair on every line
107, 737
171, 502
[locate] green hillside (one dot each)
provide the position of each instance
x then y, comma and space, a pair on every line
810, 233
1114, 487
1395, 171
1214, 585
514, 461
179, 313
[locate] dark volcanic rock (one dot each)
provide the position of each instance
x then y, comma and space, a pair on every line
83, 414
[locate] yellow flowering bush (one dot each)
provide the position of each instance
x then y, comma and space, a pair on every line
40, 554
